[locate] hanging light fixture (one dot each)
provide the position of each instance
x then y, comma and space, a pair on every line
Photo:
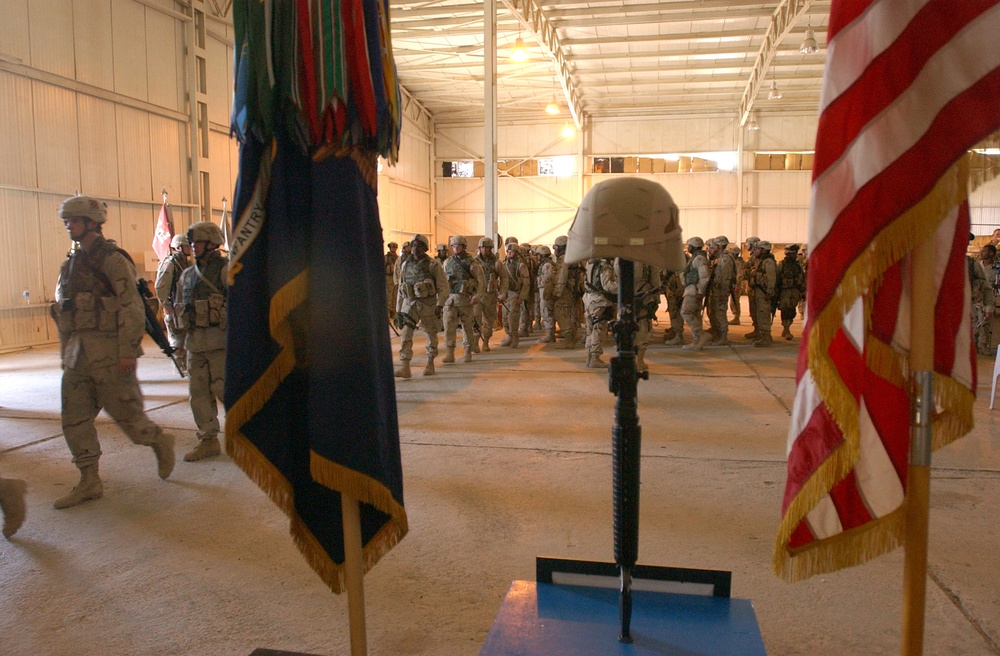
752, 124
553, 107
568, 131
809, 45
774, 93
519, 53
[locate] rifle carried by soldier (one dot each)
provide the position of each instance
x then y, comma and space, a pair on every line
153, 328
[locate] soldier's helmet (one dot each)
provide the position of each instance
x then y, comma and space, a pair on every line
457, 240
630, 218
792, 248
179, 240
560, 241
486, 241
84, 206
543, 251
440, 247
764, 245
510, 240
752, 241
696, 242
392, 244
423, 240
722, 241
205, 231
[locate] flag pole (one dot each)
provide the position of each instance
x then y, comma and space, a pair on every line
354, 574
919, 478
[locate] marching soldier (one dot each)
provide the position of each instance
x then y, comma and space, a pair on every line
696, 277
647, 299
391, 286
467, 286
101, 322
749, 270
497, 283
546, 288
673, 291
423, 290
531, 312
720, 290
765, 276
168, 274
563, 296
518, 291
790, 288
600, 297
204, 287
736, 253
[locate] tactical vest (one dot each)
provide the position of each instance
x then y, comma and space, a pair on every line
791, 275
85, 298
416, 270
490, 270
390, 264
513, 273
459, 272
178, 262
760, 271
691, 276
205, 300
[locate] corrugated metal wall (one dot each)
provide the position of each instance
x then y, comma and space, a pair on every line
92, 99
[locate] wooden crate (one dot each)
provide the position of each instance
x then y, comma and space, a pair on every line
762, 162
793, 161
645, 165
659, 165
683, 164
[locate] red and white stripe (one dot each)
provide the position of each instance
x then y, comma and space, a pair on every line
910, 86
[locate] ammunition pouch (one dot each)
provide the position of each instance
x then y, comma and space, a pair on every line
691, 276
210, 312
423, 289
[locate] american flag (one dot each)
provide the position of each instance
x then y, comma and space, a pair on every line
910, 86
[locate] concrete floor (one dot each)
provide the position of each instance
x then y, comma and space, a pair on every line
504, 459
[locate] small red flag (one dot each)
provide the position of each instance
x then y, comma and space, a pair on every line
163, 234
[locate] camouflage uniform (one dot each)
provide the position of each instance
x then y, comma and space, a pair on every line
647, 299
518, 293
564, 296
749, 271
101, 323
734, 300
391, 286
497, 282
467, 285
983, 304
790, 287
423, 290
764, 281
204, 291
696, 278
673, 291
720, 289
546, 289
168, 274
600, 290
531, 312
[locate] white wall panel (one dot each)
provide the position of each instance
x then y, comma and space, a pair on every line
134, 173
17, 132
164, 50
222, 176
94, 48
57, 151
220, 84
54, 242
167, 144
51, 35
668, 135
984, 207
98, 137
128, 20
15, 41
783, 133
19, 248
138, 222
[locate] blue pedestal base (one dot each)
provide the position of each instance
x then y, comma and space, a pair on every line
541, 619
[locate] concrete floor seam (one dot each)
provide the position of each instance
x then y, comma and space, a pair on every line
957, 601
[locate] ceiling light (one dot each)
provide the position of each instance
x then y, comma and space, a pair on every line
519, 53
553, 107
568, 131
752, 123
774, 94
809, 46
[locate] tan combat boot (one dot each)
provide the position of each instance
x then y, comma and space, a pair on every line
676, 340
474, 344
404, 369
206, 449
449, 355
515, 340
164, 450
764, 341
486, 345
595, 362
753, 334
506, 341
786, 332
89, 487
12, 504
468, 355
429, 369
550, 336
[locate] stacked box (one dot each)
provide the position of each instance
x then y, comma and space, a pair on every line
645, 165
631, 165
528, 167
807, 161
659, 165
793, 161
683, 164
700, 164
778, 162
762, 162
478, 169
